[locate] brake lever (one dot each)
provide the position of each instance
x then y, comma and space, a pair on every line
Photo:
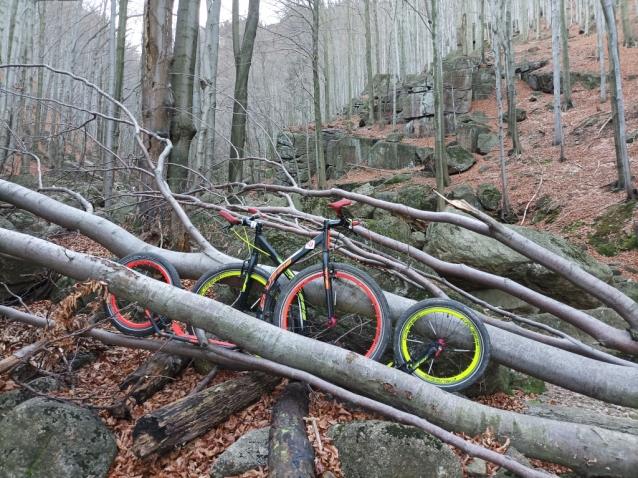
227, 228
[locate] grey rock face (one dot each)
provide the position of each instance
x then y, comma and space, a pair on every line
467, 135
457, 245
10, 400
375, 449
489, 196
42, 438
414, 196
496, 378
586, 417
483, 81
515, 455
477, 469
250, 451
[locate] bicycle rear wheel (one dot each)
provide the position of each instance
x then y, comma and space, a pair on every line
228, 285
128, 317
454, 330
361, 310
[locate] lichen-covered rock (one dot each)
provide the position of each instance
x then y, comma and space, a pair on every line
457, 245
505, 301
489, 196
10, 400
414, 196
250, 451
376, 449
464, 192
459, 159
515, 455
42, 438
361, 210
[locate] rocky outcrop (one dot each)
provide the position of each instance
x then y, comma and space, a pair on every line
43, 438
457, 245
10, 400
459, 159
544, 80
489, 196
376, 449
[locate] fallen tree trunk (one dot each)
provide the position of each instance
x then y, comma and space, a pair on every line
572, 374
290, 453
248, 362
150, 377
589, 451
194, 415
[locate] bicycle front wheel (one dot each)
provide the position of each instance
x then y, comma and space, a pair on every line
230, 285
456, 339
361, 310
128, 317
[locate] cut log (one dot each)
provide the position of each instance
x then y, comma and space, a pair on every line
194, 415
151, 376
290, 453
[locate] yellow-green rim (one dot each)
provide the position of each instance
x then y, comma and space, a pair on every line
445, 380
223, 275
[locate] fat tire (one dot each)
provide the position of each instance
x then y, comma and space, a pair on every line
384, 326
469, 314
168, 271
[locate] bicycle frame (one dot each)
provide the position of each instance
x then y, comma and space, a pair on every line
283, 266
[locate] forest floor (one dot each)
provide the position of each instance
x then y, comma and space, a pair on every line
580, 183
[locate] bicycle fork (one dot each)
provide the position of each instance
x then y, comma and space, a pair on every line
432, 351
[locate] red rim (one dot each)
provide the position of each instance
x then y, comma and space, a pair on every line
344, 275
116, 312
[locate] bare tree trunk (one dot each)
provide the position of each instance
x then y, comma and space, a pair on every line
109, 174
481, 46
182, 81
156, 95
321, 165
369, 62
209, 67
440, 154
120, 48
350, 53
567, 78
617, 98
327, 47
243, 58
42, 12
558, 122
508, 49
496, 48
600, 31
629, 40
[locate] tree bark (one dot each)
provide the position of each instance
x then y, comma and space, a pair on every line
243, 58
156, 94
629, 40
567, 77
496, 47
290, 453
508, 49
120, 48
321, 165
109, 173
194, 415
558, 121
182, 81
151, 377
616, 85
369, 62
589, 451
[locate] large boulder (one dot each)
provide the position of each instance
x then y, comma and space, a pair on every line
496, 378
424, 127
483, 82
464, 192
459, 159
604, 314
385, 155
457, 245
489, 196
42, 438
414, 196
485, 142
347, 151
457, 83
376, 449
250, 451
